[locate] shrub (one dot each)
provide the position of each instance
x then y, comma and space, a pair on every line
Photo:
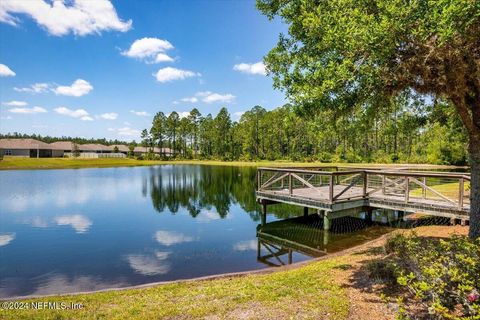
443, 275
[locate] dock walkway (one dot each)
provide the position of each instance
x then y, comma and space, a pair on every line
340, 192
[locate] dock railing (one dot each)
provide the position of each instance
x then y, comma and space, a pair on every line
436, 188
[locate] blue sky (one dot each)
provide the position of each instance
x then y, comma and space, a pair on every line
100, 69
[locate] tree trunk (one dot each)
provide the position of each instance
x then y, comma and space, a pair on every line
469, 111
474, 150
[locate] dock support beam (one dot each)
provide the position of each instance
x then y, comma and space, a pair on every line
368, 215
305, 211
326, 222
326, 219
264, 214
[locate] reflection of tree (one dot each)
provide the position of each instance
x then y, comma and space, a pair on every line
205, 187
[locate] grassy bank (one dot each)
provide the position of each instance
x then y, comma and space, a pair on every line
10, 163
309, 291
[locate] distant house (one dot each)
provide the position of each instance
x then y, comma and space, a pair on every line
60, 148
26, 148
121, 148
31, 148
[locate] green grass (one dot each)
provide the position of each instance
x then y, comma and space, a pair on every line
447, 189
308, 292
11, 163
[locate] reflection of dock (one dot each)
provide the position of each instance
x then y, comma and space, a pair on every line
279, 240
339, 193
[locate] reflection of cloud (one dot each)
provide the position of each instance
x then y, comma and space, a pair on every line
6, 238
245, 245
80, 223
18, 205
55, 284
36, 222
149, 265
169, 238
207, 215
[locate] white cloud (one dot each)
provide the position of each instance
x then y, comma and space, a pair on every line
168, 238
211, 97
6, 239
183, 114
238, 114
34, 88
109, 116
27, 110
190, 99
163, 57
81, 114
140, 113
149, 265
80, 223
169, 74
251, 68
152, 50
80, 17
245, 245
78, 88
127, 131
5, 71
6, 118
15, 103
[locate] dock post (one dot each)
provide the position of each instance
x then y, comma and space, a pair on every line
259, 248
326, 221
264, 214
400, 215
305, 211
326, 235
368, 215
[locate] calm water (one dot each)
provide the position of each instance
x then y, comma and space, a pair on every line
87, 229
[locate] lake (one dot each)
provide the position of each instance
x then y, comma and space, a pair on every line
88, 229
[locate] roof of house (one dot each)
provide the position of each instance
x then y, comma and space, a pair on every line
93, 147
61, 145
23, 144
68, 145
121, 147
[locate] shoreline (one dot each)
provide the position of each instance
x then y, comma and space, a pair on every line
66, 163
335, 280
239, 274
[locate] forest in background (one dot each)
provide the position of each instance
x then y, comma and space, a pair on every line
410, 129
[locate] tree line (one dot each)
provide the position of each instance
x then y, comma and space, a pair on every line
410, 128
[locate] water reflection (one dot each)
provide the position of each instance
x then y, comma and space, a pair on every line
78, 222
168, 238
6, 239
74, 230
150, 265
279, 242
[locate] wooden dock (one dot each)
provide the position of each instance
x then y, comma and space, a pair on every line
338, 193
